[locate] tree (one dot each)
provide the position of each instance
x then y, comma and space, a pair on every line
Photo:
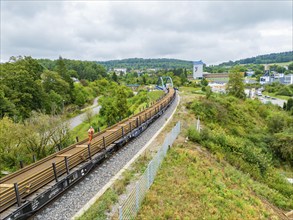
89, 114
11, 144
21, 86
121, 102
235, 86
114, 77
208, 91
44, 133
290, 66
289, 105
62, 70
6, 107
52, 81
109, 111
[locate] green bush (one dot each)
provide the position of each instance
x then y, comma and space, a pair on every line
193, 135
252, 136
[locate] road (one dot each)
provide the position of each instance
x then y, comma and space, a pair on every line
275, 101
73, 122
265, 99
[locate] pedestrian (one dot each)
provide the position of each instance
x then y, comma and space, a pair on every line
91, 132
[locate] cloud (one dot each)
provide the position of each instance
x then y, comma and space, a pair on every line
213, 31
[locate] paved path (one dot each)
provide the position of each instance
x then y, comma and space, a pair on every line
275, 101
77, 120
265, 100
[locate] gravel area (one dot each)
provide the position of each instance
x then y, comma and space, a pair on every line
74, 199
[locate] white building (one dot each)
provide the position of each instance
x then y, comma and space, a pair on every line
198, 69
287, 79
118, 71
284, 79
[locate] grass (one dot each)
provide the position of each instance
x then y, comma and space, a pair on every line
189, 89
281, 64
80, 131
154, 95
193, 185
98, 209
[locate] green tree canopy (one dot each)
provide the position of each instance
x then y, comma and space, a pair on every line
235, 85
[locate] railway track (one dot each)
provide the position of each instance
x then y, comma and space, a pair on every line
21, 194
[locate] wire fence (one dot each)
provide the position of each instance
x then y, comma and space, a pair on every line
131, 205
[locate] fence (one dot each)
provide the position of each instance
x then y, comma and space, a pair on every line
131, 205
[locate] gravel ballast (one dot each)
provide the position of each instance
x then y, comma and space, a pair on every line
76, 197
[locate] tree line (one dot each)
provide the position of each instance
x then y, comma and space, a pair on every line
27, 85
263, 59
140, 63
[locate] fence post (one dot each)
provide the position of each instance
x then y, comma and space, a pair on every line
132, 203
198, 124
16, 190
89, 151
55, 172
21, 164
137, 196
66, 165
120, 212
149, 175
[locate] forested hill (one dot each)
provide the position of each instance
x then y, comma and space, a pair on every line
140, 63
263, 59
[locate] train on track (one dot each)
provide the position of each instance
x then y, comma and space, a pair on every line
29, 189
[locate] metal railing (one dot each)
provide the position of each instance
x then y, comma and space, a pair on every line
130, 206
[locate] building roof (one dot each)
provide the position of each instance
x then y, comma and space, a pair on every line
198, 62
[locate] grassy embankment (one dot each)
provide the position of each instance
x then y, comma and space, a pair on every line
197, 183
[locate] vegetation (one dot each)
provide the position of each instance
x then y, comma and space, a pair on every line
235, 85
38, 136
195, 182
26, 86
140, 63
279, 89
87, 70
191, 184
251, 136
264, 59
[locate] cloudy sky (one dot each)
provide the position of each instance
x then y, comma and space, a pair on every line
213, 31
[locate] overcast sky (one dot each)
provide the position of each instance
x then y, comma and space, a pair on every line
212, 31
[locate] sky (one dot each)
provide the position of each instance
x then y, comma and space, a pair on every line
212, 31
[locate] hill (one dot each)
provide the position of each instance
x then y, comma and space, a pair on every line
263, 59
140, 63
232, 169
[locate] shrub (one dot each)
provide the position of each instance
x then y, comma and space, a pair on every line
193, 135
